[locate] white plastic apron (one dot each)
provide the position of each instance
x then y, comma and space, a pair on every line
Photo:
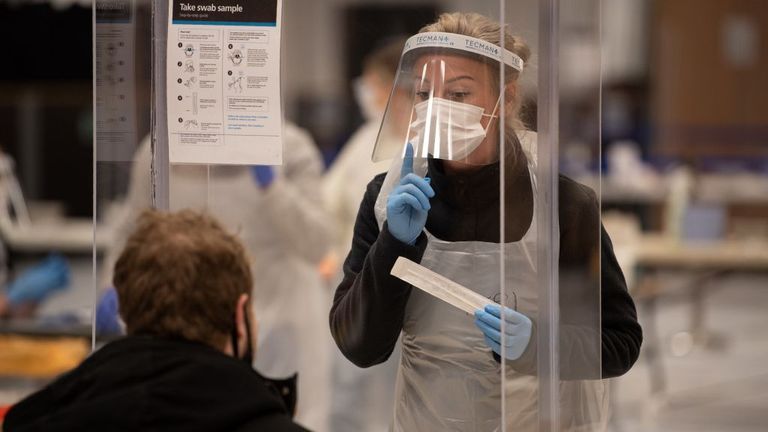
448, 379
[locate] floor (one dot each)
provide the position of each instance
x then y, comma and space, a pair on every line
719, 387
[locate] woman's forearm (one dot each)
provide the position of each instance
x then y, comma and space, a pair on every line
369, 305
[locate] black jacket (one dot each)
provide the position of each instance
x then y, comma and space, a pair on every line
369, 305
142, 383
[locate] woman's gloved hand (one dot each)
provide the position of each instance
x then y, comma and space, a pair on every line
37, 282
517, 330
408, 203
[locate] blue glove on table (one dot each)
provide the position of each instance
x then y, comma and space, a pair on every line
264, 175
37, 282
408, 203
517, 330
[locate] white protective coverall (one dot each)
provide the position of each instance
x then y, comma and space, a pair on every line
344, 184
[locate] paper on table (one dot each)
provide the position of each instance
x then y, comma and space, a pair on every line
438, 286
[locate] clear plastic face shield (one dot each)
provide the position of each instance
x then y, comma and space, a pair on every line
445, 100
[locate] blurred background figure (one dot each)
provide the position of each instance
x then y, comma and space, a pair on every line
346, 179
362, 398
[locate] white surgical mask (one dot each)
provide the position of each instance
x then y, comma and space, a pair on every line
454, 128
366, 100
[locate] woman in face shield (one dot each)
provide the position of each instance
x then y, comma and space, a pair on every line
439, 205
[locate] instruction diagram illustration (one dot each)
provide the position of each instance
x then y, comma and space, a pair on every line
189, 50
236, 57
236, 83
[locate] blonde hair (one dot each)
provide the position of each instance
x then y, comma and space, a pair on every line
481, 27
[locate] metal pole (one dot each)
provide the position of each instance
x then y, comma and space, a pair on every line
160, 157
548, 228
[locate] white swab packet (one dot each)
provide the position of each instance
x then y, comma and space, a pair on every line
438, 286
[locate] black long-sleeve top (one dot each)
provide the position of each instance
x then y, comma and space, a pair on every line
149, 384
369, 304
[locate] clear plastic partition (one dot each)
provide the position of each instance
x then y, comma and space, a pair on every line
554, 266
489, 104
499, 108
268, 195
443, 123
122, 106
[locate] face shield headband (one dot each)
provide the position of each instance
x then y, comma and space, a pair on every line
464, 43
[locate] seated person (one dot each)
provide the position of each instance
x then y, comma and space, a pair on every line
184, 287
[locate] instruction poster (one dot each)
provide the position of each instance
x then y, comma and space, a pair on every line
115, 84
223, 82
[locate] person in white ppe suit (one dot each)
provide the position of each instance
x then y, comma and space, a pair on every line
344, 183
439, 205
278, 214
362, 398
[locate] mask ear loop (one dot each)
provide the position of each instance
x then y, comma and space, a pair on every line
235, 350
248, 354
485, 132
492, 114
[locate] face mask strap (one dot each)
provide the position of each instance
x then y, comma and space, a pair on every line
495, 107
248, 354
492, 114
235, 350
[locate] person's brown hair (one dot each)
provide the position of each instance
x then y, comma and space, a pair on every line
179, 276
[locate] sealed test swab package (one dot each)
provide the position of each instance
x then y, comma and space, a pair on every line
438, 286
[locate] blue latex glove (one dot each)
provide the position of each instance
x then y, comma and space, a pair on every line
107, 313
408, 203
264, 175
517, 330
37, 282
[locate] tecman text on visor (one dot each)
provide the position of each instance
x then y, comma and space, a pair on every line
488, 48
432, 38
